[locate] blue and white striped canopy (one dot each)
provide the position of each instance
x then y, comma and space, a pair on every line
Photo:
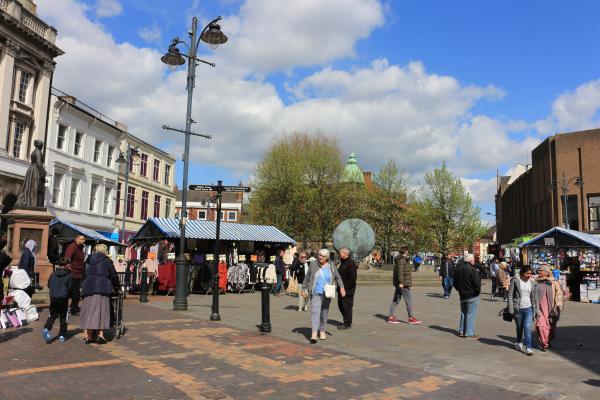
195, 229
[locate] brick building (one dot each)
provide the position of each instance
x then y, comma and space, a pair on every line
531, 200
200, 206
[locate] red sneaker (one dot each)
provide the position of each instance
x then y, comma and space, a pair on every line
392, 320
413, 321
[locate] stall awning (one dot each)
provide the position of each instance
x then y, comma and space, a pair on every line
68, 231
155, 228
562, 237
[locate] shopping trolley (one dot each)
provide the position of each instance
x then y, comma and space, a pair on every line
117, 313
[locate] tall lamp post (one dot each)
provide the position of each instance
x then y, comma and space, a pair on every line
564, 186
212, 35
128, 158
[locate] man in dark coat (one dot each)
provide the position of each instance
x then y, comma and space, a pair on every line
74, 252
447, 275
402, 280
467, 281
279, 270
347, 271
53, 247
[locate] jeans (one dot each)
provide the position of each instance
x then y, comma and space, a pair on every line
319, 311
494, 284
277, 287
398, 294
523, 321
468, 313
447, 283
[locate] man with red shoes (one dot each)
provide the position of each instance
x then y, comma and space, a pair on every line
402, 283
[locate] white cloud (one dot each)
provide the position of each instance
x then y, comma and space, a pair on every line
151, 34
108, 8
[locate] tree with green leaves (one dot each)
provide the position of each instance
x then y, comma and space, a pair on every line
444, 220
387, 202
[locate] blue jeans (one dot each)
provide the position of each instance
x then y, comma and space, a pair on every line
447, 283
468, 313
277, 287
523, 320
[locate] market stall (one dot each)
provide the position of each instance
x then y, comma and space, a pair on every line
573, 256
239, 244
68, 231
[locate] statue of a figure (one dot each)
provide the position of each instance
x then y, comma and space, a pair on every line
32, 192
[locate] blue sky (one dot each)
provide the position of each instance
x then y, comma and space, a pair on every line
473, 83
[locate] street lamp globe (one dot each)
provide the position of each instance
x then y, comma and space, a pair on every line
213, 36
173, 58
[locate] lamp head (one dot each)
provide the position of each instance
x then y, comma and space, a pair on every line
213, 36
173, 57
135, 154
121, 159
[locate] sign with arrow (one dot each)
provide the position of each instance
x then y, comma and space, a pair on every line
220, 188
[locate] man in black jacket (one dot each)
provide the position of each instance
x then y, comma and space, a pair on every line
467, 282
347, 270
279, 270
447, 275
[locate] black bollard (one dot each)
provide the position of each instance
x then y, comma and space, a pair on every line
144, 288
266, 312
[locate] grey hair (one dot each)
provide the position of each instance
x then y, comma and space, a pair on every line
101, 248
346, 250
324, 253
469, 257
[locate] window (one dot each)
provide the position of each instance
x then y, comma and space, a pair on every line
156, 206
144, 165
594, 210
62, 134
56, 184
168, 208
74, 195
130, 163
222, 215
167, 174
144, 214
18, 138
94, 197
130, 201
97, 147
202, 214
118, 205
78, 142
231, 215
156, 172
24, 84
109, 158
107, 200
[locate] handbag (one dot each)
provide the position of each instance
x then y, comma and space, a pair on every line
508, 317
329, 291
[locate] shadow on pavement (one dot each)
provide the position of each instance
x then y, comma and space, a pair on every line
439, 296
496, 342
6, 336
334, 322
444, 329
381, 316
306, 332
290, 307
593, 382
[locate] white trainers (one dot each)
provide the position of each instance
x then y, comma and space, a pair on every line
528, 351
519, 346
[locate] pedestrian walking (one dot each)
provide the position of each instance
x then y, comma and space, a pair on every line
279, 270
301, 272
27, 262
467, 282
494, 267
447, 275
320, 273
5, 261
100, 282
348, 271
550, 300
417, 262
59, 285
521, 303
54, 247
503, 280
74, 252
402, 280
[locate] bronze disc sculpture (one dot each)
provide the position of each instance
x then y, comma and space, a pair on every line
356, 235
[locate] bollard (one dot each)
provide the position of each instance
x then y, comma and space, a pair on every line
144, 286
266, 313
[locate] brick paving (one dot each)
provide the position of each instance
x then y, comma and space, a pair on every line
167, 355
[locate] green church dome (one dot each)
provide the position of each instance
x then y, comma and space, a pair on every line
352, 172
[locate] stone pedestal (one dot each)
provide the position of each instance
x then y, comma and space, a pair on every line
30, 223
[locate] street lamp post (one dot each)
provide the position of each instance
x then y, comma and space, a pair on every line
126, 159
212, 35
565, 193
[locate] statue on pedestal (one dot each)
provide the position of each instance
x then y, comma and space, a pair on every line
32, 191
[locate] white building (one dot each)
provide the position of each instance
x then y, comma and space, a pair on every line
27, 52
81, 149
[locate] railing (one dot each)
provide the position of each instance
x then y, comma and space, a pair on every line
33, 23
4, 4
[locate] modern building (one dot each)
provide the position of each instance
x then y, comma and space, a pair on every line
560, 188
27, 53
81, 151
150, 186
200, 206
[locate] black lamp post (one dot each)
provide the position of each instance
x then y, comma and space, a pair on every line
131, 155
212, 35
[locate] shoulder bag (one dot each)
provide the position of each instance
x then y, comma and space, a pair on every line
508, 317
329, 288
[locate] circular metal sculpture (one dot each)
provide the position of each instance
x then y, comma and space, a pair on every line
356, 235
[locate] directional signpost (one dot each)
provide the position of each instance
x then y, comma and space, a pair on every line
219, 188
